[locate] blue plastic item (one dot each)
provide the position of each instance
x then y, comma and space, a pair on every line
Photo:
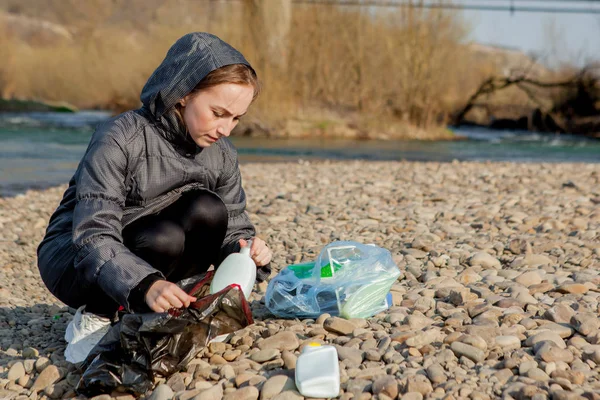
348, 279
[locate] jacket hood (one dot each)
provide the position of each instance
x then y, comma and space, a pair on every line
187, 62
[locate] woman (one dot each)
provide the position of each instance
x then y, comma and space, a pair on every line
158, 194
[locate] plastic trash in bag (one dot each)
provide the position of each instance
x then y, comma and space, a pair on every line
348, 279
142, 345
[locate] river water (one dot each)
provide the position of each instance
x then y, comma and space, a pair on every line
38, 150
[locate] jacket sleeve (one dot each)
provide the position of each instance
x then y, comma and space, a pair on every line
229, 189
101, 257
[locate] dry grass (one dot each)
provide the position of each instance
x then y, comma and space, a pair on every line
385, 69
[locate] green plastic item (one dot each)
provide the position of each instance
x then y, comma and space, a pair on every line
363, 303
305, 270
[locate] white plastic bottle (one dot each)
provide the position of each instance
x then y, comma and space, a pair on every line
318, 372
236, 268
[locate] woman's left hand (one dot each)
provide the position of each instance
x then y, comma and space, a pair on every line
260, 252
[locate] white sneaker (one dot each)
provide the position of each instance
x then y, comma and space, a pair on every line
83, 332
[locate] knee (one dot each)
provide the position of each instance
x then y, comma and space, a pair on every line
165, 238
208, 211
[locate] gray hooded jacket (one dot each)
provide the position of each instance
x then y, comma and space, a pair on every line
137, 164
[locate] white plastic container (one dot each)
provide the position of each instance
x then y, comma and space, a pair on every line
237, 268
318, 372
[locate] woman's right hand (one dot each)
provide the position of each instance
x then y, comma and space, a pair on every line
163, 295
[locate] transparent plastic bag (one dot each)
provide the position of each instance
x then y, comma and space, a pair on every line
348, 279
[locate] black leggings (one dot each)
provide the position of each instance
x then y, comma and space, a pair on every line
182, 240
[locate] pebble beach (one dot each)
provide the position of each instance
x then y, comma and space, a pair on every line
498, 296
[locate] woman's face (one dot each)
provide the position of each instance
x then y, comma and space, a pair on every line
214, 112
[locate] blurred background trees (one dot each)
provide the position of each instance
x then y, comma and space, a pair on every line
331, 69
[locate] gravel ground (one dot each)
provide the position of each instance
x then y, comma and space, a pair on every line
498, 296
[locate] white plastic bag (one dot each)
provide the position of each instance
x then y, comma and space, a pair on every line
348, 279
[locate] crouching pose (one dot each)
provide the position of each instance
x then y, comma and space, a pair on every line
157, 196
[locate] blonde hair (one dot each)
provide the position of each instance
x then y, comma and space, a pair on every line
239, 74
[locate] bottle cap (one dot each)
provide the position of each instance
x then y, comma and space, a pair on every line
310, 347
246, 249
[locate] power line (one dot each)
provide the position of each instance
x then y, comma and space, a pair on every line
477, 7
578, 2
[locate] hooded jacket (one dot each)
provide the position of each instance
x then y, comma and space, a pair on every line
136, 164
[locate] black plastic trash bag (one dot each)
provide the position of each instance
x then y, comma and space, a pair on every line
142, 345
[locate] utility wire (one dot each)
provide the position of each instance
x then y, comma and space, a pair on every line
565, 2
447, 6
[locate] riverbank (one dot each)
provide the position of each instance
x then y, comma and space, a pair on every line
315, 124
353, 126
42, 150
499, 292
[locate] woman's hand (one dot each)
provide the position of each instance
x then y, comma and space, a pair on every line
164, 295
260, 252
